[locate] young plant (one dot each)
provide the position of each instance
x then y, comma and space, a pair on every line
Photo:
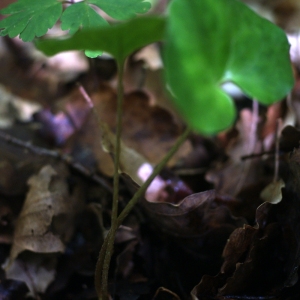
206, 43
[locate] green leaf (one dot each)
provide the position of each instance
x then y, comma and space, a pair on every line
30, 18
119, 40
122, 9
260, 61
211, 42
81, 15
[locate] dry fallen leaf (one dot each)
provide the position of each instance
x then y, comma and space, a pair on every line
261, 261
195, 215
149, 130
48, 198
42, 228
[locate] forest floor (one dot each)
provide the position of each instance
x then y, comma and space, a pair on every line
222, 221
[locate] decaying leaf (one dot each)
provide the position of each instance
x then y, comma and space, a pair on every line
260, 261
47, 200
42, 228
149, 130
230, 177
196, 214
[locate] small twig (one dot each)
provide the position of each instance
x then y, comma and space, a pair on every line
67, 159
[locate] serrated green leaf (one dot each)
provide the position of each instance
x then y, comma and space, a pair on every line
119, 40
122, 9
209, 42
30, 18
81, 16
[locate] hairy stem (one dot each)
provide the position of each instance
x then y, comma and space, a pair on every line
108, 245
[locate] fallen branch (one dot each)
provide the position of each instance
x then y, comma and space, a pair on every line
67, 159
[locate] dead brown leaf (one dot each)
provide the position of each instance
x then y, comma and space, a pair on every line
196, 214
47, 200
261, 261
149, 130
232, 176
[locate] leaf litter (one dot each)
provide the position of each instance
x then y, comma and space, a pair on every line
203, 229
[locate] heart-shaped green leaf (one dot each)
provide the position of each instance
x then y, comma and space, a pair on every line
211, 42
119, 40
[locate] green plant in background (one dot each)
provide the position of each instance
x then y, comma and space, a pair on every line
206, 43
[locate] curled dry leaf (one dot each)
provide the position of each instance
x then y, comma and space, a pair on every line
196, 214
260, 261
272, 192
194, 232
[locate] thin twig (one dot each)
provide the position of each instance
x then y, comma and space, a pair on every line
67, 159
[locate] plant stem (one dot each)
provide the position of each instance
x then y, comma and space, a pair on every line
141, 191
103, 257
108, 245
